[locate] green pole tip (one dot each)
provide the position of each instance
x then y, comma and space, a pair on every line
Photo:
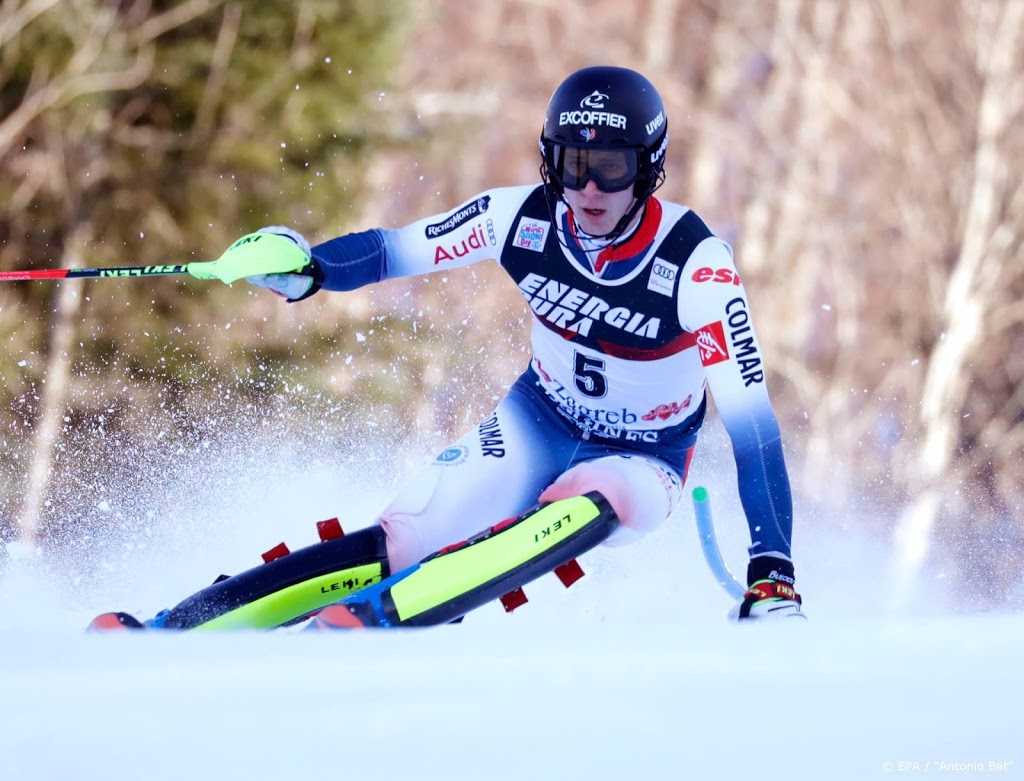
700, 494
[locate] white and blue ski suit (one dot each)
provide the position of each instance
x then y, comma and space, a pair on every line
626, 342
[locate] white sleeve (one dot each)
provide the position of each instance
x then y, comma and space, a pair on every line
713, 305
472, 232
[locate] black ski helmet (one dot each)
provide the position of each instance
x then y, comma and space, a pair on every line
605, 107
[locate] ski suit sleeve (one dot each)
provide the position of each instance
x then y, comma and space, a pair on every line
713, 306
472, 232
351, 261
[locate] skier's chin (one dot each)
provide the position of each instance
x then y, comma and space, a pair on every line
595, 222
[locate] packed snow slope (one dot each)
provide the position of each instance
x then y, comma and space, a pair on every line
633, 673
517, 699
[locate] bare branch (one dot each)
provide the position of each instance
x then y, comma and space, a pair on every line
226, 39
178, 16
13, 20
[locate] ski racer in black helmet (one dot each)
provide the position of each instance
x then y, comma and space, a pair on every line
638, 313
607, 126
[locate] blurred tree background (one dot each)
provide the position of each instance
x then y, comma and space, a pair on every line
863, 157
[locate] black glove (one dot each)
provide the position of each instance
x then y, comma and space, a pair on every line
771, 592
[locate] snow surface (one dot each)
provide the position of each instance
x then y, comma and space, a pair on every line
633, 673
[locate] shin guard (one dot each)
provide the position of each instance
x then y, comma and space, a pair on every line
288, 587
499, 560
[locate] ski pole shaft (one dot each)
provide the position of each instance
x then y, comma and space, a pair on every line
709, 545
252, 255
89, 273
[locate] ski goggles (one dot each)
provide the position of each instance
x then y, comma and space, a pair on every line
612, 170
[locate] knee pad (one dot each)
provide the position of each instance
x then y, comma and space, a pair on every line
642, 491
399, 520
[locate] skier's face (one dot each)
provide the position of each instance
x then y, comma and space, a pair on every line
597, 212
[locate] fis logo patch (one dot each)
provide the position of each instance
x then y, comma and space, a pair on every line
663, 277
531, 234
712, 345
452, 456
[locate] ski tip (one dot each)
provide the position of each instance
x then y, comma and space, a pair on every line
117, 621
335, 617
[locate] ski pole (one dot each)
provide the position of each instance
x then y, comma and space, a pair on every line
89, 273
709, 545
252, 255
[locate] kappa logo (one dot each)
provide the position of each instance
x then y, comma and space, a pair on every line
711, 343
531, 234
594, 100
663, 277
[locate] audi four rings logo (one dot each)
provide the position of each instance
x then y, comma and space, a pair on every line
664, 271
594, 100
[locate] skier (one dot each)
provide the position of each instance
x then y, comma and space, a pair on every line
637, 307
